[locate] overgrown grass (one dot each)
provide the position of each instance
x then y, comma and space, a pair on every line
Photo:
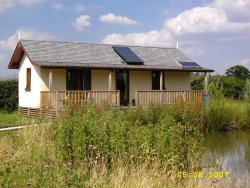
31, 158
105, 136
224, 114
93, 141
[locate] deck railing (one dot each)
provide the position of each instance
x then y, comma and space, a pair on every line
164, 97
57, 99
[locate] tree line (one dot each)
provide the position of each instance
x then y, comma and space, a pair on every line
232, 83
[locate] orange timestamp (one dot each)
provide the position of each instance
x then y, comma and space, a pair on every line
200, 174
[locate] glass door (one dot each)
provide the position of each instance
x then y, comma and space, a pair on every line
78, 79
122, 84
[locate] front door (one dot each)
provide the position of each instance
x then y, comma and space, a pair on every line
122, 84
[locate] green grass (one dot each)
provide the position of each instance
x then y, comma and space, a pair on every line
13, 119
7, 119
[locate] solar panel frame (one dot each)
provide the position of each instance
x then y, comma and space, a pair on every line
188, 64
127, 55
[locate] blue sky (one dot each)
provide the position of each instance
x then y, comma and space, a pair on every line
214, 33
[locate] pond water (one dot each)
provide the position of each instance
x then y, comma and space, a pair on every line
230, 149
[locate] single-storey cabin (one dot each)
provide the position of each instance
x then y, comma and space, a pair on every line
52, 72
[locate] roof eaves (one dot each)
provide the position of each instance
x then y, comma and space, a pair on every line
19, 46
122, 66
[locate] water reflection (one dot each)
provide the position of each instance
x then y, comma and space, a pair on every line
232, 149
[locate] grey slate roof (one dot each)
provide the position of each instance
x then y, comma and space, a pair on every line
68, 54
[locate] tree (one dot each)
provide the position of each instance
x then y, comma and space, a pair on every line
232, 87
238, 71
197, 81
8, 95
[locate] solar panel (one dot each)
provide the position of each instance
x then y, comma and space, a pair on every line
127, 55
189, 64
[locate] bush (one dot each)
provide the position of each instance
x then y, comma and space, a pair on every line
8, 95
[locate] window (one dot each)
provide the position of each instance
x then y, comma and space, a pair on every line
28, 79
78, 79
155, 80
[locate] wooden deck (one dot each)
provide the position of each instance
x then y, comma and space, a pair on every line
164, 97
58, 99
52, 102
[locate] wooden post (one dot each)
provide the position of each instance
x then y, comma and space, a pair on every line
118, 99
110, 80
58, 99
161, 80
50, 79
161, 86
206, 82
136, 98
50, 88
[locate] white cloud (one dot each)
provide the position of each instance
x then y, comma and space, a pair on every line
220, 16
236, 10
11, 41
57, 6
7, 4
120, 20
82, 22
213, 22
151, 38
197, 20
79, 8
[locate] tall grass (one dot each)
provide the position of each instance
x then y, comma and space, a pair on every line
224, 114
106, 137
31, 158
90, 142
247, 99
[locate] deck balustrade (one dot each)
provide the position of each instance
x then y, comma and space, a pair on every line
54, 101
164, 97
57, 99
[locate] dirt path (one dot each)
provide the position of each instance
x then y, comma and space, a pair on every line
18, 127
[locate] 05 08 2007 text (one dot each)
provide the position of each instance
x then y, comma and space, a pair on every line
201, 174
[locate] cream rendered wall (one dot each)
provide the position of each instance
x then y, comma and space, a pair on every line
58, 79
39, 82
100, 80
44, 79
29, 98
177, 81
139, 80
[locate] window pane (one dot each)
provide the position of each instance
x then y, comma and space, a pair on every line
78, 80
86, 79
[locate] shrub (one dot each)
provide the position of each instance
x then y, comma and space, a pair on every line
8, 95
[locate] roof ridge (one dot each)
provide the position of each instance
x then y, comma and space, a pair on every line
77, 42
